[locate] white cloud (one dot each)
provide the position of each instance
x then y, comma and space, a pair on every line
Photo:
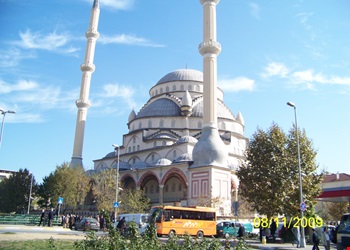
21, 85
114, 90
311, 77
50, 42
304, 18
12, 57
115, 4
255, 10
128, 39
237, 84
275, 69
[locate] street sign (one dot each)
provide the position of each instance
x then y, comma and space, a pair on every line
60, 200
116, 204
303, 206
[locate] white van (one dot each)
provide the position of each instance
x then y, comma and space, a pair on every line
141, 220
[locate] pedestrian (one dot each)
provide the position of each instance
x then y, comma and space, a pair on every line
42, 218
121, 225
326, 241
50, 217
315, 240
296, 233
241, 232
102, 223
273, 228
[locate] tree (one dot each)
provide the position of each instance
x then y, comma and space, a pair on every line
103, 186
134, 201
70, 183
14, 192
269, 178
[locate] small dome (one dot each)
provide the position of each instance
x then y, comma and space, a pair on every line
140, 164
110, 155
184, 158
182, 75
163, 162
187, 139
160, 107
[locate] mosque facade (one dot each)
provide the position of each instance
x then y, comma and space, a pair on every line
156, 154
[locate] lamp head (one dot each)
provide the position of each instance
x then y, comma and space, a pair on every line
115, 145
291, 104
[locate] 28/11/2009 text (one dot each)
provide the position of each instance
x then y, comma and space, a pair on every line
292, 222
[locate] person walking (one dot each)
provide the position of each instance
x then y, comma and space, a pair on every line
315, 240
50, 217
241, 232
296, 232
326, 241
42, 218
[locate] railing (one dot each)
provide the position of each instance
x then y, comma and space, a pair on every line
24, 219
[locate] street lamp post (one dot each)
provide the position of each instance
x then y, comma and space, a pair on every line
116, 153
3, 112
30, 192
302, 233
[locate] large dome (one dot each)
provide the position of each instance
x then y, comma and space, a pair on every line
182, 75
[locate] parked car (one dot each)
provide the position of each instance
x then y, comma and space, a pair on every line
87, 224
227, 228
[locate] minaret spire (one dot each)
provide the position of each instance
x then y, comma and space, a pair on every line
210, 149
87, 69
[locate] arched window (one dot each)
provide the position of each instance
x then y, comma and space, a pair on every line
140, 125
152, 157
133, 148
154, 144
161, 90
173, 187
180, 187
189, 87
134, 140
161, 123
167, 89
182, 87
173, 123
174, 154
174, 87
129, 149
163, 143
149, 123
138, 147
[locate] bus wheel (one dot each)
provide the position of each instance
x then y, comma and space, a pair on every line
171, 233
200, 234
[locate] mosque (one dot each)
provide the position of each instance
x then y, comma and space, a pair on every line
184, 145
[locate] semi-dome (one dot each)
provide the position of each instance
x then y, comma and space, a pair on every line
182, 75
140, 164
222, 111
186, 139
160, 107
186, 157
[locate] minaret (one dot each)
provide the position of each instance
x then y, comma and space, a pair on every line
87, 68
210, 149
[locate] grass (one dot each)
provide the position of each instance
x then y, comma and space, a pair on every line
37, 244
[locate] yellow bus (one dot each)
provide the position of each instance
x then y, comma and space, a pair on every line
172, 220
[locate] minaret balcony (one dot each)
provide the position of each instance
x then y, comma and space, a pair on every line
212, 47
87, 67
92, 34
81, 103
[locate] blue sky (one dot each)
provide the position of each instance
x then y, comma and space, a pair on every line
272, 52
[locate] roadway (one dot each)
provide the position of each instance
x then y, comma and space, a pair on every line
23, 232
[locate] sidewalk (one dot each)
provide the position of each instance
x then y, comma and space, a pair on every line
4, 227
288, 246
